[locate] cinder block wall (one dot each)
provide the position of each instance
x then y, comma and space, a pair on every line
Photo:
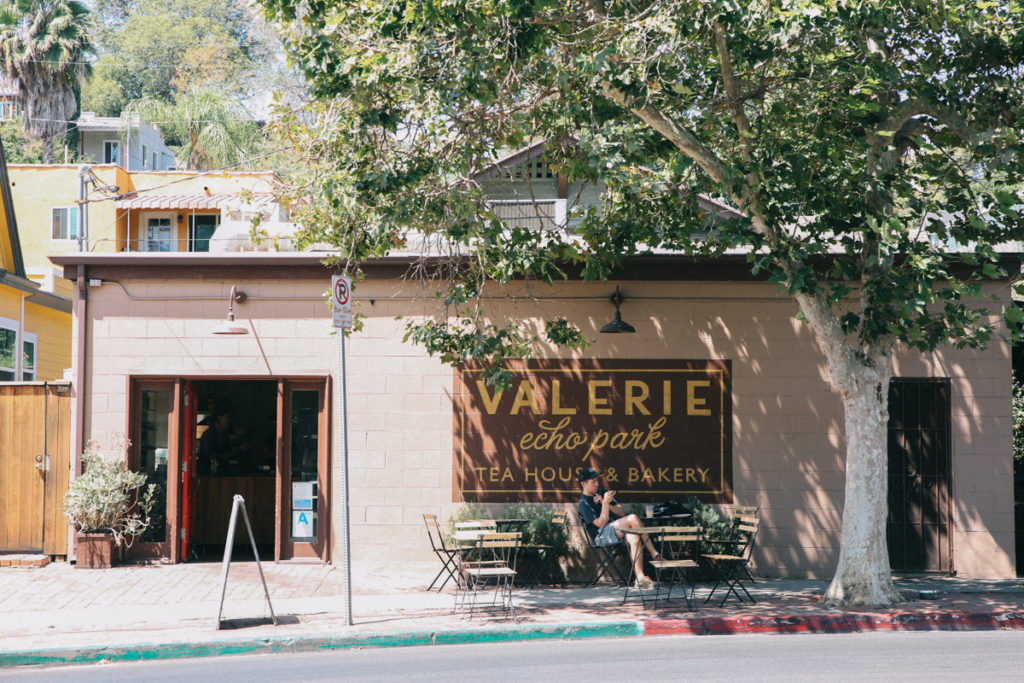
788, 446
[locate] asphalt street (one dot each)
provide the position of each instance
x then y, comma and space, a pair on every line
929, 656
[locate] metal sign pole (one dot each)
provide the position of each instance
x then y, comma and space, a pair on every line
341, 304
343, 435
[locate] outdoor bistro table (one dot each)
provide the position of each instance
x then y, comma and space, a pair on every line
666, 520
505, 525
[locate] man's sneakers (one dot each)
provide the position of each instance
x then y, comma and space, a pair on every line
645, 583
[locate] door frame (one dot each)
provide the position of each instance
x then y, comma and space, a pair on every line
170, 549
167, 549
284, 548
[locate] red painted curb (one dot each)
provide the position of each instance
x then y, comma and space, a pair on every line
836, 623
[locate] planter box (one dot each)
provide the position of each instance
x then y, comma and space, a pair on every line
96, 551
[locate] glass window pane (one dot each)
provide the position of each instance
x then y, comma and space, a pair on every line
158, 237
304, 448
58, 232
8, 345
156, 411
201, 229
28, 362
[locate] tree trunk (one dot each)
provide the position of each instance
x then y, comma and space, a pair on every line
47, 149
863, 575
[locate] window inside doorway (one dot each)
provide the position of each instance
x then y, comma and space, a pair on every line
200, 230
111, 152
158, 235
154, 438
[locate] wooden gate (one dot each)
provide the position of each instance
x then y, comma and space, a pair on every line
920, 514
35, 433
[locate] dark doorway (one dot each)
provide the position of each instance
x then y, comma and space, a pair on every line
919, 466
238, 458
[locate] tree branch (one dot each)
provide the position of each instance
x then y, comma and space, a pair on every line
903, 115
732, 94
684, 140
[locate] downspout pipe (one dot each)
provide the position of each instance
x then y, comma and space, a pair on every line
81, 354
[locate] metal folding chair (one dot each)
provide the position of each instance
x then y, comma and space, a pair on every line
679, 548
444, 553
607, 558
745, 513
488, 564
730, 567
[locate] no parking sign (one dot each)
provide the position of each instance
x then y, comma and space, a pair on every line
341, 301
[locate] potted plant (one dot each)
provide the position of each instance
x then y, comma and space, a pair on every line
106, 509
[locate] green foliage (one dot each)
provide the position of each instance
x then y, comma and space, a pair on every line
539, 528
1018, 426
208, 129
17, 148
44, 47
711, 522
467, 512
455, 341
105, 499
160, 48
104, 94
872, 164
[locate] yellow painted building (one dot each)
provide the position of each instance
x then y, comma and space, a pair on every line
35, 324
137, 211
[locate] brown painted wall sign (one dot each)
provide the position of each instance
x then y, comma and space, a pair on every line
658, 429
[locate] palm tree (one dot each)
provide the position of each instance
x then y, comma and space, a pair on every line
209, 129
43, 46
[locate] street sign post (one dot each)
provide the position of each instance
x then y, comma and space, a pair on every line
341, 303
341, 300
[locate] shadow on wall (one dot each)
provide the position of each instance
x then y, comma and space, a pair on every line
788, 426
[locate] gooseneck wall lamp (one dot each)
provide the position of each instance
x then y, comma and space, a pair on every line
227, 326
618, 324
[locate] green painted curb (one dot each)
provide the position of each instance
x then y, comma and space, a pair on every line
275, 644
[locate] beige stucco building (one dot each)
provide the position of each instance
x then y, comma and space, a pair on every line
148, 363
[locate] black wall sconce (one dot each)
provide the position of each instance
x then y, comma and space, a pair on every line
618, 324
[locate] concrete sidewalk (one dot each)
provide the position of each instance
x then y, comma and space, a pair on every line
59, 614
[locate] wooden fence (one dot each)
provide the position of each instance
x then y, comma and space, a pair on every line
35, 433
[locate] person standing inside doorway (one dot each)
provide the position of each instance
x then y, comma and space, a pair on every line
215, 444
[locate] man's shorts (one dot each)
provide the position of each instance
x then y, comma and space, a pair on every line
606, 536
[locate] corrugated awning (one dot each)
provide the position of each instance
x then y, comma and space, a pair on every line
175, 202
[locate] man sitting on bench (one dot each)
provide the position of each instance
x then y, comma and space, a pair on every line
605, 519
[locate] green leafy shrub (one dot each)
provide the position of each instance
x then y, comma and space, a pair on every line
540, 528
712, 523
467, 512
105, 499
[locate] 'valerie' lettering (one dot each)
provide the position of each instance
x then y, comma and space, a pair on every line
598, 402
659, 427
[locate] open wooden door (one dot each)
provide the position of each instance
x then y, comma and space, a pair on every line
189, 469
154, 438
303, 469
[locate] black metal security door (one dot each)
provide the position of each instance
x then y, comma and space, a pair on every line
919, 473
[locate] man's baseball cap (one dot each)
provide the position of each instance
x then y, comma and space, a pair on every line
587, 474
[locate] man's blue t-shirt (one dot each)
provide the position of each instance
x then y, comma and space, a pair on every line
591, 510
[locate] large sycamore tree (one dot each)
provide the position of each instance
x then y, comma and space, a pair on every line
872, 148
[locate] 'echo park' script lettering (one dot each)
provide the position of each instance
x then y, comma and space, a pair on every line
657, 428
